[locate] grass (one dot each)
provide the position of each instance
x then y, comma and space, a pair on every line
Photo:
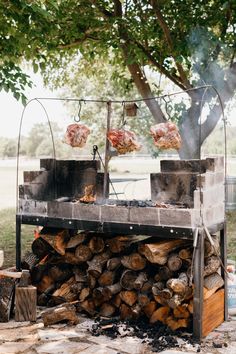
7, 235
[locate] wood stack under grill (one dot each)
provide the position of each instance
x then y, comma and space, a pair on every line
125, 276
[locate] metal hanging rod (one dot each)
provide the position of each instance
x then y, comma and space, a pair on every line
126, 101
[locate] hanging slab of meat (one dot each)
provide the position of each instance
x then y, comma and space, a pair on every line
123, 140
166, 136
76, 135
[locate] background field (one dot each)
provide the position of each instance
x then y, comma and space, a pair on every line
126, 168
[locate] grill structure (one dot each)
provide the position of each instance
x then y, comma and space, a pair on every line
186, 196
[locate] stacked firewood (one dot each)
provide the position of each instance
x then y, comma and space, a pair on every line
125, 276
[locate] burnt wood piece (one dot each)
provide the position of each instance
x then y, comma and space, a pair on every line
127, 280
41, 248
7, 287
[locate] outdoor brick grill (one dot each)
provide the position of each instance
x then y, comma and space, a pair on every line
187, 200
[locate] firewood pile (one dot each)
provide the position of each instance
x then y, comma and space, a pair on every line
128, 277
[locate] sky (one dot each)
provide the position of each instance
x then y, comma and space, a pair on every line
11, 110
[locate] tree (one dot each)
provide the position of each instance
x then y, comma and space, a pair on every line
189, 42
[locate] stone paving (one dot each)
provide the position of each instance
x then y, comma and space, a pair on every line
28, 338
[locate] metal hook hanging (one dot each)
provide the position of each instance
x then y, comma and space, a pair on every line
123, 121
166, 106
78, 118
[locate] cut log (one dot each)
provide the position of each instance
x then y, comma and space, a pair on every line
190, 307
116, 301
127, 279
175, 301
114, 288
181, 311
134, 261
80, 275
185, 253
147, 287
106, 278
56, 315
77, 287
160, 315
113, 263
209, 249
7, 287
107, 309
118, 244
45, 283
91, 281
178, 285
76, 240
56, 238
136, 310
65, 291
70, 258
150, 308
83, 253
96, 245
174, 324
41, 248
101, 295
158, 252
143, 299
174, 262
84, 294
129, 297
88, 306
60, 273
126, 312
213, 280
164, 274
164, 293
157, 287
96, 265
25, 303
160, 300
140, 280
212, 264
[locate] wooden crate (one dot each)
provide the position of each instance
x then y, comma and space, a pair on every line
213, 312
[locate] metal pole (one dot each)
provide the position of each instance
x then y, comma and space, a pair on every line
18, 242
198, 286
107, 153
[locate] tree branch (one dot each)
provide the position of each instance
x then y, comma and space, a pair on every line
167, 34
104, 12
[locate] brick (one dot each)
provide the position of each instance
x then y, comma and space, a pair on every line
176, 217
29, 206
145, 216
86, 212
209, 179
210, 196
60, 209
114, 213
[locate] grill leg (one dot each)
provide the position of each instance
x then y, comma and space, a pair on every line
223, 251
18, 242
198, 286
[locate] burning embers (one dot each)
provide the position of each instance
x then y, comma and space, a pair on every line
131, 277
